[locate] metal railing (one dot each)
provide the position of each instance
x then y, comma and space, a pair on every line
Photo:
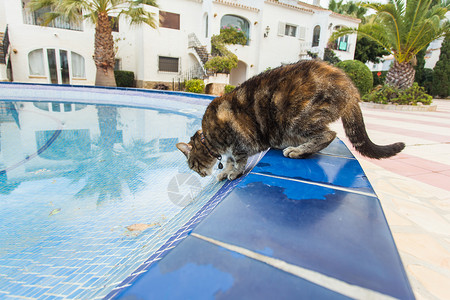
193, 41
37, 18
5, 46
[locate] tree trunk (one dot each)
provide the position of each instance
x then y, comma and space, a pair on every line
105, 77
104, 51
401, 75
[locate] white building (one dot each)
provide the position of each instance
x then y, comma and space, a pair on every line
279, 32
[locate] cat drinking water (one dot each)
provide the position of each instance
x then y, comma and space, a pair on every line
287, 108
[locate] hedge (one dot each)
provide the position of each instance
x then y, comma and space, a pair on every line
359, 73
124, 78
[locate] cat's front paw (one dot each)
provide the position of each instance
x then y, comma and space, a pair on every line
228, 175
233, 175
296, 152
222, 176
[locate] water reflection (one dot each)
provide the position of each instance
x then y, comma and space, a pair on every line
106, 150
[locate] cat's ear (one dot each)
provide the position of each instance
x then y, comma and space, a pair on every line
185, 148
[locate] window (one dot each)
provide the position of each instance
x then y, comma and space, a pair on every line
36, 62
316, 36
117, 64
237, 22
206, 25
56, 107
78, 65
169, 20
53, 68
114, 23
57, 64
41, 105
290, 30
341, 43
67, 106
168, 64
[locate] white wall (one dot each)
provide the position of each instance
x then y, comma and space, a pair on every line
170, 42
139, 47
278, 49
25, 38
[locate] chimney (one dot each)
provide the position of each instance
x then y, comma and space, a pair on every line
316, 2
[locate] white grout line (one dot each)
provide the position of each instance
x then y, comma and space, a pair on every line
320, 279
349, 190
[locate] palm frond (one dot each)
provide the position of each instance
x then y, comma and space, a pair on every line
137, 13
406, 26
34, 5
149, 2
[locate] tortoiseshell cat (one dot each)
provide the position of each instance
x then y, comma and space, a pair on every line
287, 108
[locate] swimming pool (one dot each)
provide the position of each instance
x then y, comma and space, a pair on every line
95, 202
92, 185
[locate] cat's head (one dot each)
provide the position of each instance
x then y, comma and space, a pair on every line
198, 157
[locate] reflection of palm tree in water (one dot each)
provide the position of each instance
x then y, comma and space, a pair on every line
109, 170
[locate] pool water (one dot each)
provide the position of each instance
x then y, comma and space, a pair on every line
88, 192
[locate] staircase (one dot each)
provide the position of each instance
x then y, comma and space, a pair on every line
200, 50
202, 53
4, 46
2, 52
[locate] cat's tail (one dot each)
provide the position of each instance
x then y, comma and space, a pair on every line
356, 132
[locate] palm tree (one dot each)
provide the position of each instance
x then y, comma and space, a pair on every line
349, 8
99, 12
403, 29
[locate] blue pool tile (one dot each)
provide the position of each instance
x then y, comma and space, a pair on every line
337, 148
339, 171
196, 269
339, 234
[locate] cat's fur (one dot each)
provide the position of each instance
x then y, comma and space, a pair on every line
286, 108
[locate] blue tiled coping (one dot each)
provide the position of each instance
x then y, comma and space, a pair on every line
291, 229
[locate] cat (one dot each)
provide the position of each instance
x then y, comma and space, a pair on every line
287, 108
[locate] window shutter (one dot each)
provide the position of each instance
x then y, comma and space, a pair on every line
301, 33
281, 28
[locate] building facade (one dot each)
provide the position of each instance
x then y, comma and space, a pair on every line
279, 32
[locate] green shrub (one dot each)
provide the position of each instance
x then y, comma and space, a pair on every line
195, 86
222, 64
312, 55
379, 77
233, 35
124, 78
330, 56
389, 94
441, 71
223, 59
427, 80
229, 88
359, 73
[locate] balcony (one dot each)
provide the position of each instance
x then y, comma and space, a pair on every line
38, 17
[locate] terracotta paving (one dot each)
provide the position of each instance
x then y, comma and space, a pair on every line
413, 188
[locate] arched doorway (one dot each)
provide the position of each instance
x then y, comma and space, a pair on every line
238, 75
